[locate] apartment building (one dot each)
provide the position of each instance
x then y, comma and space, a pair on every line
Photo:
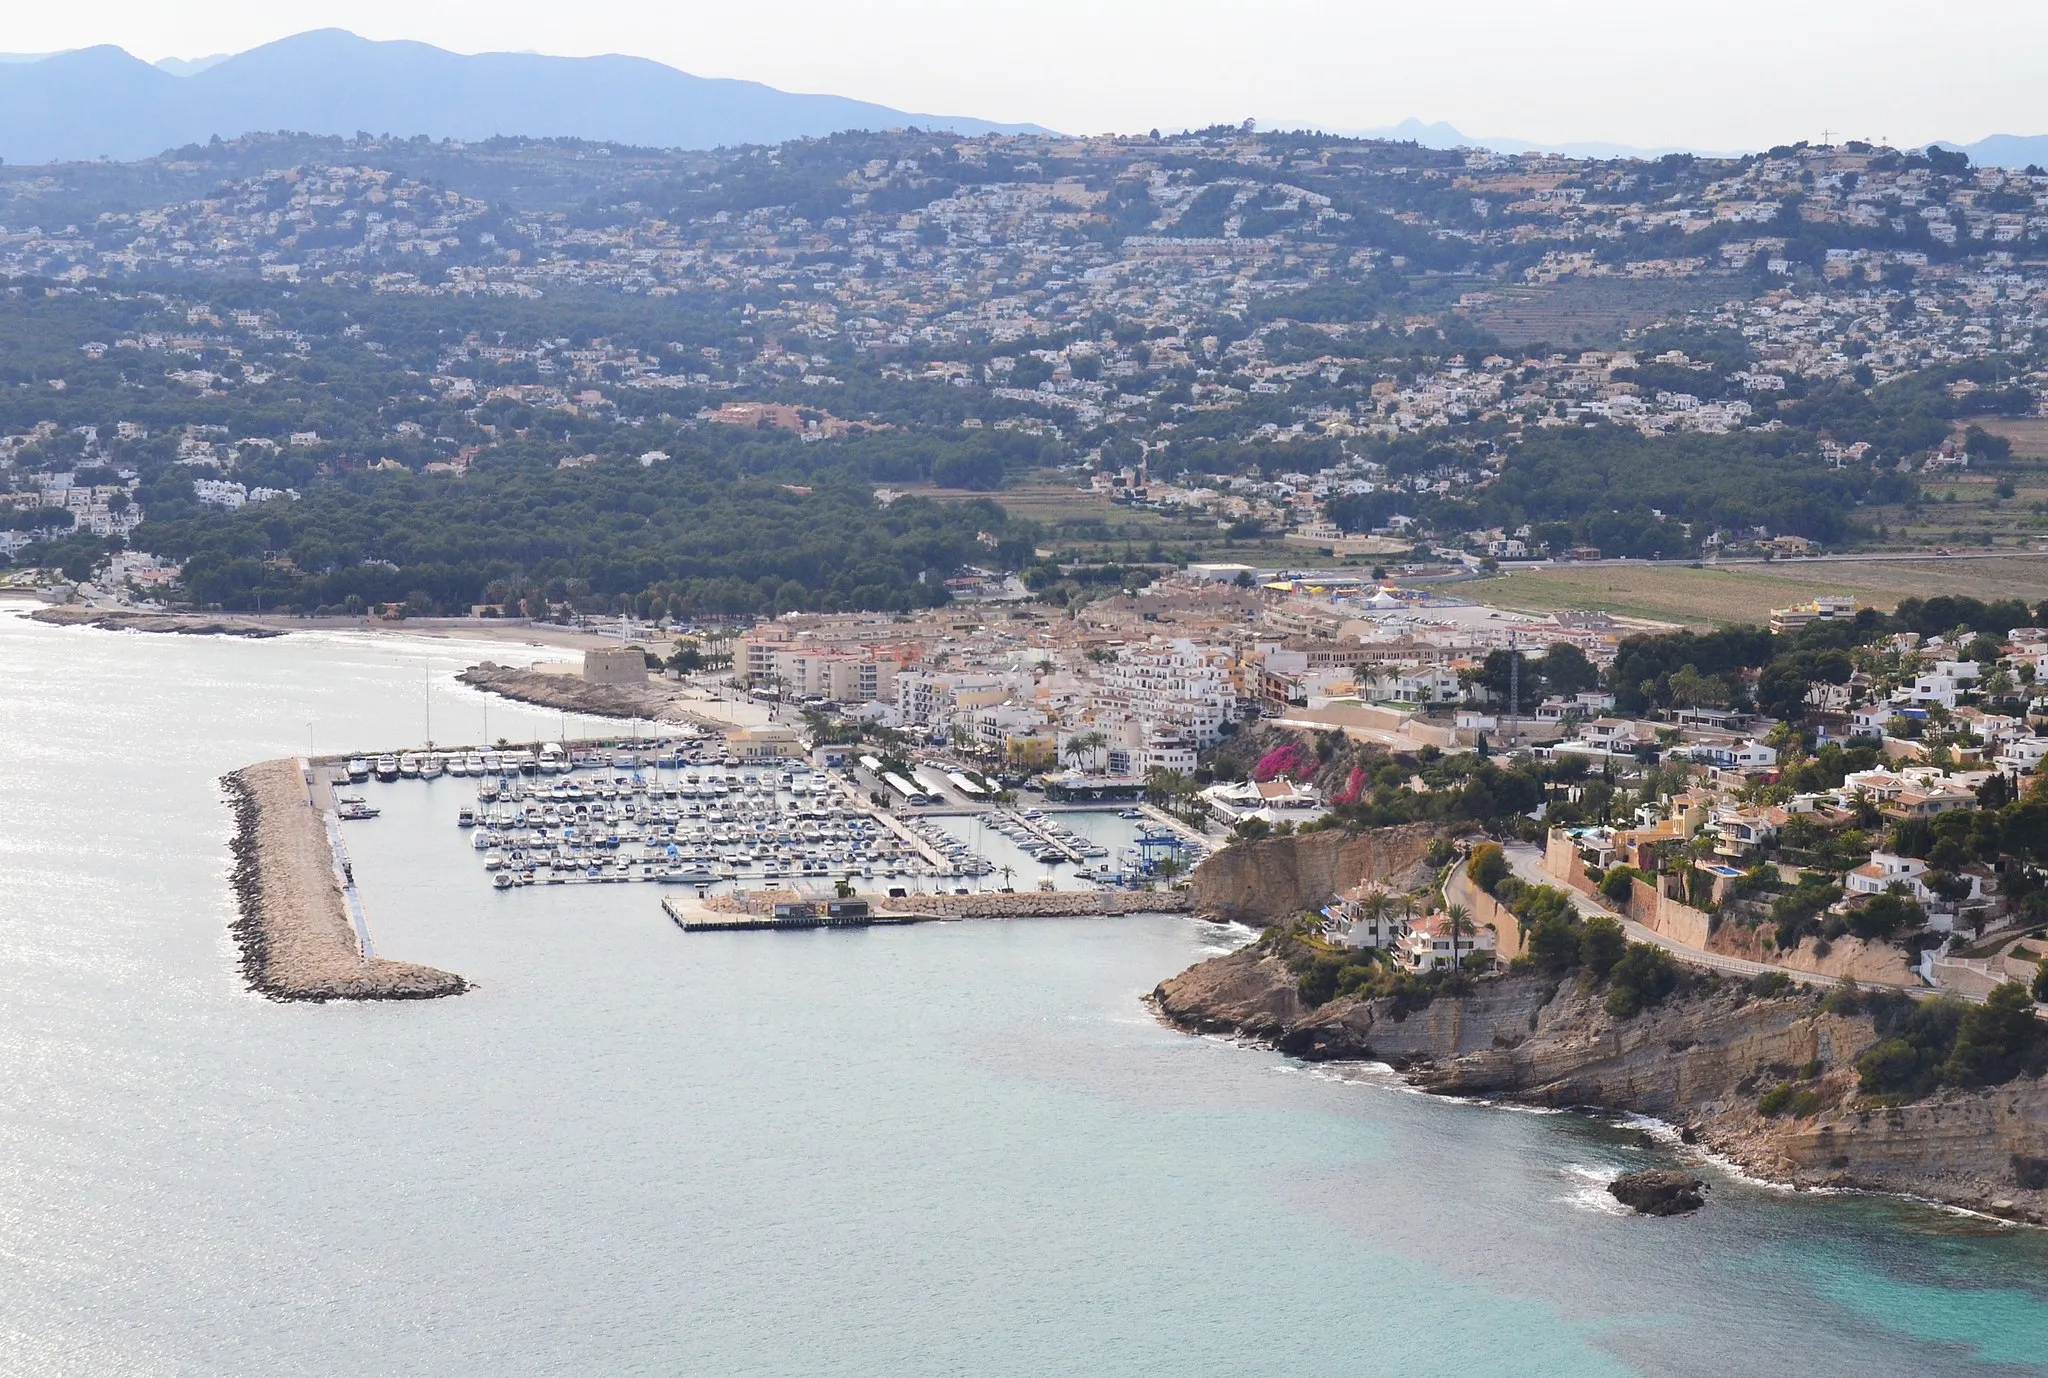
932, 698
801, 669
840, 676
1177, 685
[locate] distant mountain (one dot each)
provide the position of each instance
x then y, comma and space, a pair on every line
2006, 150
101, 102
2000, 150
191, 66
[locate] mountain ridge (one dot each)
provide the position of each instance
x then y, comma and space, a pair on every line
104, 102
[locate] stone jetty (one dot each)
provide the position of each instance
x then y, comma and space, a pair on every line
294, 931
1025, 904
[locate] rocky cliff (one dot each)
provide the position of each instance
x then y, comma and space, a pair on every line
1700, 1061
1275, 879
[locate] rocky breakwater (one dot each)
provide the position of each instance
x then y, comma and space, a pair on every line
568, 693
294, 930
1275, 879
1768, 1079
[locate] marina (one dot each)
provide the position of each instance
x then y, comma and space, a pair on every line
679, 812
747, 1112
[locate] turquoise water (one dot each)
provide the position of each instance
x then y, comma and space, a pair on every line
952, 1149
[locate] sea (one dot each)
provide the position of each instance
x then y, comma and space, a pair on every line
950, 1149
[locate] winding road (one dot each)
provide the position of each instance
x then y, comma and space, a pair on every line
1527, 863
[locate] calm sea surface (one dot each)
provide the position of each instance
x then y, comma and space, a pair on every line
952, 1149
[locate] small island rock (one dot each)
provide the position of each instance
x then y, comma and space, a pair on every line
1659, 1192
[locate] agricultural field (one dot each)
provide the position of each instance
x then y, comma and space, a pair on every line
1999, 505
1711, 596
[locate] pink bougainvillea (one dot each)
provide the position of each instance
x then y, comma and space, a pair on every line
1354, 785
1294, 761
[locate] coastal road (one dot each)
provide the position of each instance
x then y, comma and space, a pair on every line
1527, 863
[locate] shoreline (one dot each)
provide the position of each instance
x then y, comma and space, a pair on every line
292, 927
658, 700
1696, 1063
513, 631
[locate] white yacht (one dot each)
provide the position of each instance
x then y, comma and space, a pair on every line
387, 768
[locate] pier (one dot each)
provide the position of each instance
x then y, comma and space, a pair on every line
697, 918
1037, 830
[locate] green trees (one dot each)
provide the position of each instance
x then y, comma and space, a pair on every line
689, 538
1602, 945
1994, 1040
1642, 978
1488, 866
1618, 883
1886, 916
1553, 947
1945, 1042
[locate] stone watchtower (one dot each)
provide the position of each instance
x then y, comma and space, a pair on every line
627, 665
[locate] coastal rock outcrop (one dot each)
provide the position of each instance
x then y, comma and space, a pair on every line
296, 939
120, 620
1251, 991
658, 698
1659, 1192
1278, 877
1702, 1060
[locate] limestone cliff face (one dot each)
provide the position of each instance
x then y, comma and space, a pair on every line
1881, 964
1275, 879
1700, 1061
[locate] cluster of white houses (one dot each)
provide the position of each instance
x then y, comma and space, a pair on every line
1369, 918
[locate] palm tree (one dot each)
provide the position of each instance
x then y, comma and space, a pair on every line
1375, 908
1084, 744
1458, 919
1007, 873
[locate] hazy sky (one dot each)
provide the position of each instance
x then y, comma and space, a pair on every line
1735, 74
